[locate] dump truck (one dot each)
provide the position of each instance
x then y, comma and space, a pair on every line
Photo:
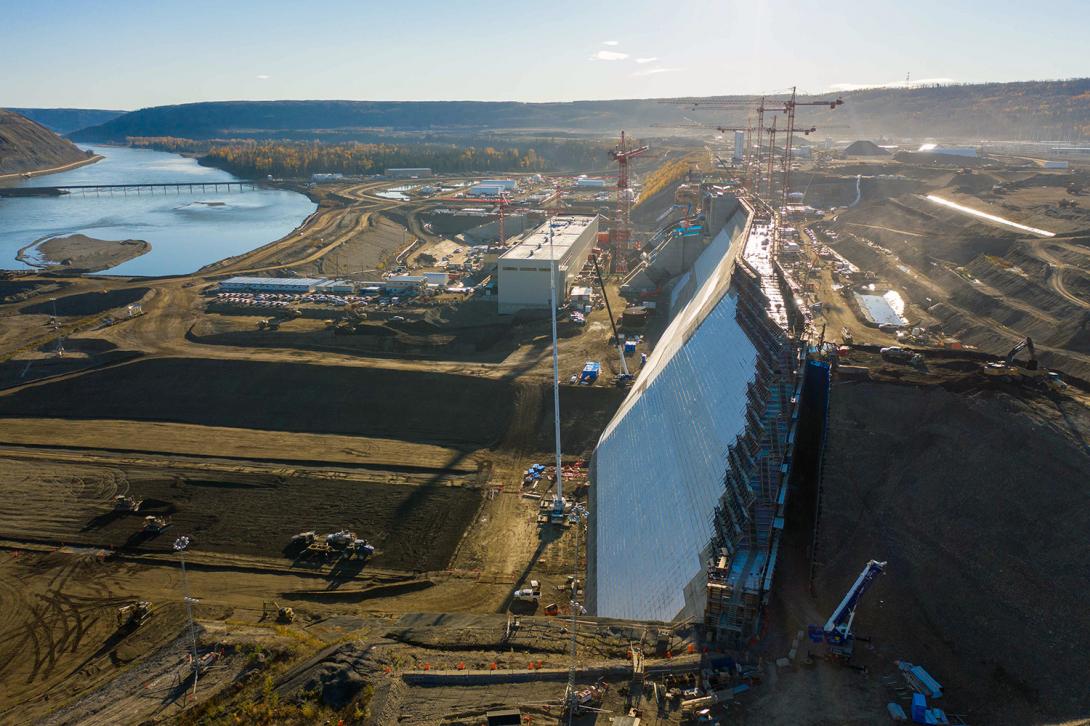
133, 615
529, 594
155, 525
123, 503
340, 540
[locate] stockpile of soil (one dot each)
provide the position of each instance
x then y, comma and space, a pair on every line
87, 303
865, 148
460, 411
981, 505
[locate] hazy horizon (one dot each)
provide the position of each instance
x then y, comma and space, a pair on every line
174, 53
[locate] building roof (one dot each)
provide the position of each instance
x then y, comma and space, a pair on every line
535, 245
289, 281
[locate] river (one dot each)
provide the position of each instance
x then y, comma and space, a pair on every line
186, 230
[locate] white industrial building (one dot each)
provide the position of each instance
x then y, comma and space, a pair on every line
336, 287
522, 273
967, 151
508, 185
297, 285
586, 182
486, 190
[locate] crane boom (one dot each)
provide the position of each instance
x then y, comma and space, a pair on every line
839, 625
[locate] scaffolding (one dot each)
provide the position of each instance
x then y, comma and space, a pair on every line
750, 518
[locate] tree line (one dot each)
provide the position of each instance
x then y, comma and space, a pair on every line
254, 158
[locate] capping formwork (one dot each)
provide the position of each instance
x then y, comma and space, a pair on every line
749, 519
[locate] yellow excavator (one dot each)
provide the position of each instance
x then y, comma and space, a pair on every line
1031, 372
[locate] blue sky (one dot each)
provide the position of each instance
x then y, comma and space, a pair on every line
128, 54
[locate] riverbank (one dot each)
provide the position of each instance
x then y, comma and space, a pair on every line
78, 253
19, 176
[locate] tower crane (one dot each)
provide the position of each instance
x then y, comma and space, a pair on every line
620, 233
789, 108
837, 631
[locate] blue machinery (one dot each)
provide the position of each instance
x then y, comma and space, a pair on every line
837, 631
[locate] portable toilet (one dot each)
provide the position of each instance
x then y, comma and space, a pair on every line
630, 347
590, 372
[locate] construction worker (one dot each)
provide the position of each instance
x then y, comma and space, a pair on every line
643, 360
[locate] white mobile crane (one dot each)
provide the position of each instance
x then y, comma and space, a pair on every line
837, 631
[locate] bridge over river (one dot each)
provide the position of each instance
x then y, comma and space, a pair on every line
189, 187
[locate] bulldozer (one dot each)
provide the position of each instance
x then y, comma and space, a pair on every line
126, 504
132, 616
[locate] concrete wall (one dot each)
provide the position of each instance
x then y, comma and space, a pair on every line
658, 470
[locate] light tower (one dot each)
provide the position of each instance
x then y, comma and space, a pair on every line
620, 233
557, 514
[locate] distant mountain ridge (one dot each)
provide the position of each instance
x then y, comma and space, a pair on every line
67, 120
27, 146
1057, 110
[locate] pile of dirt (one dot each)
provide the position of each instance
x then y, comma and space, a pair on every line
980, 505
336, 675
87, 303
865, 148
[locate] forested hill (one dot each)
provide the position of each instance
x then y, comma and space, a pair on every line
27, 146
67, 120
1058, 110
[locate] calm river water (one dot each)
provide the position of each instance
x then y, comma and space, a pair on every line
186, 230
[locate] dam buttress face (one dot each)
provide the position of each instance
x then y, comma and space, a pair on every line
689, 478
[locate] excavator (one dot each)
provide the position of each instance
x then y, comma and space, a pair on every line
1032, 372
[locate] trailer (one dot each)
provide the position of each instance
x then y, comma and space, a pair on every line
590, 373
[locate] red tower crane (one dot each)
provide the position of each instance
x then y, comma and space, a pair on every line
620, 233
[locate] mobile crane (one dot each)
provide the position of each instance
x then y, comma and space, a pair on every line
625, 377
837, 631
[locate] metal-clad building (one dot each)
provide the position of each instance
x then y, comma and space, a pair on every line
508, 185
523, 271
298, 285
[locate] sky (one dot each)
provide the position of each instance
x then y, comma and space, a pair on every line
128, 54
